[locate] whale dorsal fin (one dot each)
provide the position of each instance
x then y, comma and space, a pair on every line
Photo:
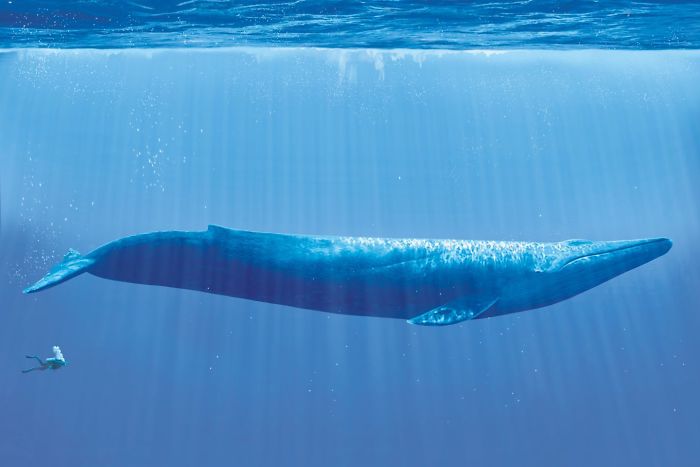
217, 229
456, 311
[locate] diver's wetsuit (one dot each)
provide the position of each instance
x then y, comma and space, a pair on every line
50, 364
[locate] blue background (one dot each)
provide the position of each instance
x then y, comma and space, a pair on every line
525, 145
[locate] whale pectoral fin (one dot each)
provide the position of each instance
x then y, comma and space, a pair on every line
459, 310
72, 265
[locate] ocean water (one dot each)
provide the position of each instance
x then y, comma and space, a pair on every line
443, 24
391, 119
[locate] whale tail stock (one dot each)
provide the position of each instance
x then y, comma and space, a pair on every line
73, 264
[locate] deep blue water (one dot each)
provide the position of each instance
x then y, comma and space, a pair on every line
527, 145
112, 124
444, 24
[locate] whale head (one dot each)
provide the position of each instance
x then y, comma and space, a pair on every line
578, 265
546, 274
584, 257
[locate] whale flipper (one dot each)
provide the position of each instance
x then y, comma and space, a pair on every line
72, 265
459, 310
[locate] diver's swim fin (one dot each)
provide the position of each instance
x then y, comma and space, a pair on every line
72, 265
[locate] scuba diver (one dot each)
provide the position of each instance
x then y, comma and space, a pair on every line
52, 363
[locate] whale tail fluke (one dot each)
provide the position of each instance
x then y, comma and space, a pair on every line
72, 265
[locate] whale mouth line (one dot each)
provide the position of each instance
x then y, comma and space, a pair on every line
601, 254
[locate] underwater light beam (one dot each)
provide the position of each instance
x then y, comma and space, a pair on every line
427, 282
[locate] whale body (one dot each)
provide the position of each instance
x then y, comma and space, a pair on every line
427, 282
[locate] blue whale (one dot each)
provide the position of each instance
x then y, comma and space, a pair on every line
427, 282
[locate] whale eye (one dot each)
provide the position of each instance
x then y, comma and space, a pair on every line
577, 242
